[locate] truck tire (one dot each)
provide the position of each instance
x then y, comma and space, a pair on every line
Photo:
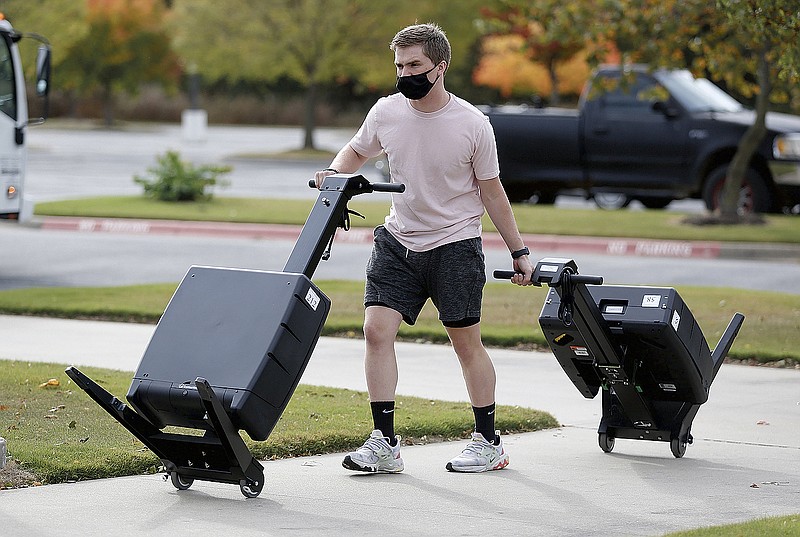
525, 194
654, 202
611, 201
517, 194
544, 197
754, 196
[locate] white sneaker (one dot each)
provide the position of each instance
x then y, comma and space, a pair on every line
480, 456
376, 455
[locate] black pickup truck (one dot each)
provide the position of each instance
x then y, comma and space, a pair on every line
652, 136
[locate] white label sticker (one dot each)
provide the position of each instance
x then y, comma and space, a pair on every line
651, 301
312, 298
548, 268
676, 320
579, 351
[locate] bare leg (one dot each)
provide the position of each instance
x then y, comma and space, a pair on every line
379, 454
380, 362
476, 365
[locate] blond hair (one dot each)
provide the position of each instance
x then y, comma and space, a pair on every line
430, 36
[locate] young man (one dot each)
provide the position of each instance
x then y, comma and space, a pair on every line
443, 150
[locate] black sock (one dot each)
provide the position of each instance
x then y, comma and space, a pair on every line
484, 422
383, 418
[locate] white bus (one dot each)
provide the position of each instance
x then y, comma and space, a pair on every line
14, 113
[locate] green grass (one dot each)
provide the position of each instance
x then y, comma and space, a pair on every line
530, 218
784, 526
321, 155
57, 433
771, 330
219, 209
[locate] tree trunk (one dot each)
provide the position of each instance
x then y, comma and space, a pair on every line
729, 198
108, 105
311, 108
555, 97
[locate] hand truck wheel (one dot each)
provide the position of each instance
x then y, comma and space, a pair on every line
250, 489
678, 447
606, 442
180, 482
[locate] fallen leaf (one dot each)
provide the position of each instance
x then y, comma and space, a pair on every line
754, 486
3, 407
762, 422
84, 440
52, 383
72, 424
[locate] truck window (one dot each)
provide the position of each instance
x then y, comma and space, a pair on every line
637, 95
698, 94
8, 98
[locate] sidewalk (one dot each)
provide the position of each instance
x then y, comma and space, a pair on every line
744, 463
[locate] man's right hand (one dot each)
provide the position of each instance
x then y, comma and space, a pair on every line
320, 176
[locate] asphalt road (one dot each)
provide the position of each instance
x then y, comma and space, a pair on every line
76, 163
43, 258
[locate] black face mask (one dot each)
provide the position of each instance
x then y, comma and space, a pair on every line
416, 87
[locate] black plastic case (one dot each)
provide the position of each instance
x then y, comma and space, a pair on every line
249, 332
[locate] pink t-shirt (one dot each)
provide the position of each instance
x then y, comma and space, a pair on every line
440, 157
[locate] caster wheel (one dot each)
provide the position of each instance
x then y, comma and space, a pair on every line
251, 489
606, 442
678, 447
180, 482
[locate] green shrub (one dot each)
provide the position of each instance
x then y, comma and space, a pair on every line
175, 180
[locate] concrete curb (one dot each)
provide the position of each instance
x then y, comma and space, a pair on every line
552, 243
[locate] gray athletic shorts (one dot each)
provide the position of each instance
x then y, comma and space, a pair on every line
452, 276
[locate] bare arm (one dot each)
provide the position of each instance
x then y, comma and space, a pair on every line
499, 209
347, 160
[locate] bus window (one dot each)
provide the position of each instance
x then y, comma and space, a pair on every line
8, 101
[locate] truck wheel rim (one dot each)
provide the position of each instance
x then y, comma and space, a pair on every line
744, 205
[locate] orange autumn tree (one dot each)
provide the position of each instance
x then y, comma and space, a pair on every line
503, 66
124, 46
550, 32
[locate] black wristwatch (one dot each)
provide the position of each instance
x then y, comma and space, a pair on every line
519, 253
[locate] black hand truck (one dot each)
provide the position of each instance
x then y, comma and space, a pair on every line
640, 345
229, 351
